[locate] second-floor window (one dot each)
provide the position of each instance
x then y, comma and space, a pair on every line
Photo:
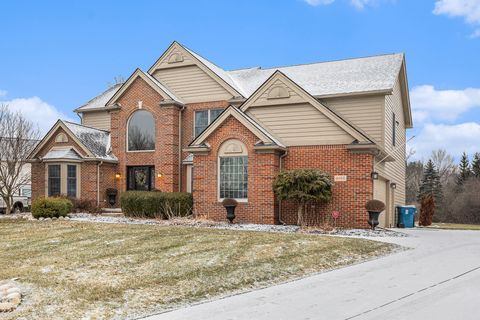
394, 130
141, 131
203, 118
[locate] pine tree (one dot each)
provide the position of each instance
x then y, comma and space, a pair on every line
476, 165
430, 184
464, 170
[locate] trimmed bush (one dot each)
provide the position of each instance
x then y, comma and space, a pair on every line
85, 206
375, 206
153, 204
51, 207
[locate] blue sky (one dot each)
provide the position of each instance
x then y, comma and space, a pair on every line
56, 55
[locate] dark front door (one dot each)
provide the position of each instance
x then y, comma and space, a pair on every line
141, 178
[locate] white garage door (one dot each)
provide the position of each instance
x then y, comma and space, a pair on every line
380, 193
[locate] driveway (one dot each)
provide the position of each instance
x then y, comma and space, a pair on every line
438, 279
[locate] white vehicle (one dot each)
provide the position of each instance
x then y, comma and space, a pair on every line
21, 201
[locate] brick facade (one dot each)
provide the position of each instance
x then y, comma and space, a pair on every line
348, 197
262, 167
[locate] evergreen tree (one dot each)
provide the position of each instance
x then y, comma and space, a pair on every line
476, 165
464, 170
430, 184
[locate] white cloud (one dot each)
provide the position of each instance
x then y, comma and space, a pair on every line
455, 138
429, 104
3, 93
36, 110
360, 4
469, 10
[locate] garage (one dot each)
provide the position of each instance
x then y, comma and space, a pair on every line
380, 192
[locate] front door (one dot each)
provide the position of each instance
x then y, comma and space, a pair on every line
141, 178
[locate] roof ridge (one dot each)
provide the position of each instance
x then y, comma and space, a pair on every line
318, 62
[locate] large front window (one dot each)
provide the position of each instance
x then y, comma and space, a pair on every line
141, 131
234, 177
233, 171
141, 178
203, 118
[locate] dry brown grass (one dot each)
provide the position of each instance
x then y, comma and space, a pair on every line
454, 226
72, 269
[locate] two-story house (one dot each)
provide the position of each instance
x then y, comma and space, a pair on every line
188, 125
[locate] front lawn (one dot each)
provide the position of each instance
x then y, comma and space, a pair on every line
72, 269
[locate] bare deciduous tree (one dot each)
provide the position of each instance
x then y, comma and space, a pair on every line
17, 139
445, 165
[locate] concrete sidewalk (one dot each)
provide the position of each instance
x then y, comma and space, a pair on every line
438, 279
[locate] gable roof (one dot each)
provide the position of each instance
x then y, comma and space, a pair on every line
154, 83
95, 142
214, 71
266, 138
335, 118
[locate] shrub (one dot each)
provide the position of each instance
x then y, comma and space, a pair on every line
153, 204
303, 186
51, 207
375, 206
85, 205
427, 210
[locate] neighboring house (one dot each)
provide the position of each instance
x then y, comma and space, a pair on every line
188, 125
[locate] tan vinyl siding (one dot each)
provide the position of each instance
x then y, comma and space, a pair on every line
97, 119
364, 112
192, 84
395, 170
300, 124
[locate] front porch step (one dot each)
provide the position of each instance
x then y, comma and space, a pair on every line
112, 212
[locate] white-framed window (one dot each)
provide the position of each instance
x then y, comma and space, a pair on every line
54, 180
141, 131
202, 118
233, 171
62, 179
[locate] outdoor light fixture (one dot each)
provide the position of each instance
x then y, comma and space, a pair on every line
118, 175
374, 175
159, 175
393, 185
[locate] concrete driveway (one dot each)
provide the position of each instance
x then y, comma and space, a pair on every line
438, 279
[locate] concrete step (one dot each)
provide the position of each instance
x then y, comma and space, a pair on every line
112, 212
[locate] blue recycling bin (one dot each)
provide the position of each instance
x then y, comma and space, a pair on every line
406, 216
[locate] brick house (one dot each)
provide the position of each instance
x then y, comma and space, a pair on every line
188, 125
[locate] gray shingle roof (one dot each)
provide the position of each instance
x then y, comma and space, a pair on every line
62, 154
377, 73
95, 140
100, 100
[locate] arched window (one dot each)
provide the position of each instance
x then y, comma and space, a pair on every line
233, 170
141, 131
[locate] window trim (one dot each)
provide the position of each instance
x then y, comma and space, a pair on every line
49, 193
208, 119
126, 135
223, 154
63, 177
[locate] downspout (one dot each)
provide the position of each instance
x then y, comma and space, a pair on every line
180, 149
280, 201
98, 183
